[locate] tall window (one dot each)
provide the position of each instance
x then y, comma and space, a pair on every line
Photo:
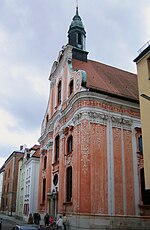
69, 144
69, 184
59, 92
71, 87
45, 162
57, 148
145, 192
44, 190
140, 144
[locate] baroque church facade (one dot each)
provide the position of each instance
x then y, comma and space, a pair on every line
90, 159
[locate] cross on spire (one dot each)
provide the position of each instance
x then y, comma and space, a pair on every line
77, 3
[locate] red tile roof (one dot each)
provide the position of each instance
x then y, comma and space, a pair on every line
108, 79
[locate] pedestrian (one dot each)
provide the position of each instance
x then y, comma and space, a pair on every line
51, 221
59, 223
46, 219
30, 219
64, 221
37, 218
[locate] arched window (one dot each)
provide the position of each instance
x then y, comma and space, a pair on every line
44, 190
45, 162
71, 87
59, 92
69, 184
57, 148
69, 144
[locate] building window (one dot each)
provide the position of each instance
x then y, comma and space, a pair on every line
45, 162
69, 144
59, 92
69, 184
44, 190
57, 148
71, 87
144, 192
140, 144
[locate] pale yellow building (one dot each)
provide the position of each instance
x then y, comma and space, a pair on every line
143, 71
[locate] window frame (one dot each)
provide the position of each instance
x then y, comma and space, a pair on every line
59, 93
57, 148
70, 144
69, 184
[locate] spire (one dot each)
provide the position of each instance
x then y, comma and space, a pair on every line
77, 36
77, 8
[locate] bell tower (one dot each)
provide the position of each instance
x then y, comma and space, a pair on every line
77, 37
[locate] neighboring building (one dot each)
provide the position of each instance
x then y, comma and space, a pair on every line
20, 187
10, 182
31, 182
1, 185
28, 178
90, 154
143, 70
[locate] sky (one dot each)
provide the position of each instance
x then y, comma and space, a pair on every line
32, 32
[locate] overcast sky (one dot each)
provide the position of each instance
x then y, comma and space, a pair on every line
32, 33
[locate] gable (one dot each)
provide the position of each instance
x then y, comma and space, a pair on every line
108, 79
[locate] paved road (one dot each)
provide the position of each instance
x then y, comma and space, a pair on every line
7, 224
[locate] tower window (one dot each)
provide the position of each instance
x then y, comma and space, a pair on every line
59, 92
71, 87
69, 144
69, 184
79, 39
57, 148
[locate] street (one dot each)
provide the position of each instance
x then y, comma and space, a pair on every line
7, 224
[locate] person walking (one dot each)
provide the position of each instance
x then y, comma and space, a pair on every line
65, 221
46, 219
59, 223
30, 219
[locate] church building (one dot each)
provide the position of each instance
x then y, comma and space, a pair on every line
90, 155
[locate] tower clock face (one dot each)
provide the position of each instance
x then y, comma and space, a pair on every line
55, 179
